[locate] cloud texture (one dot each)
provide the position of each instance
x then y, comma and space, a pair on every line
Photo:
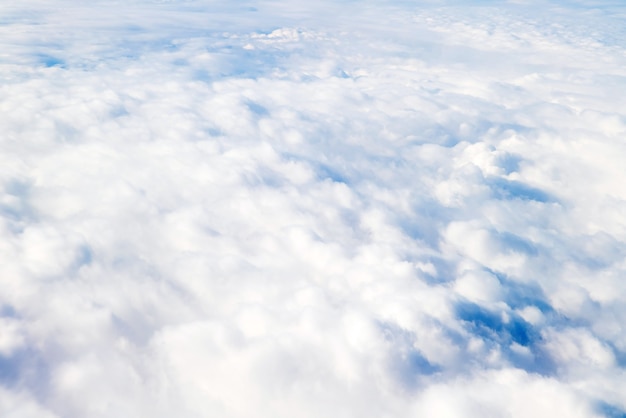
278, 209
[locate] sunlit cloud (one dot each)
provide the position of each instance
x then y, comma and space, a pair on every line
308, 210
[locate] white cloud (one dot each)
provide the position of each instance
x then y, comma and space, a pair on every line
269, 209
508, 392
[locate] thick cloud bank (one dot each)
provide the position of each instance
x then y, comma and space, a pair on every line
279, 209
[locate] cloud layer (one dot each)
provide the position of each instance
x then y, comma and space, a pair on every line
276, 209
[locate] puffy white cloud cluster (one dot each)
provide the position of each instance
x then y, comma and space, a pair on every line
289, 210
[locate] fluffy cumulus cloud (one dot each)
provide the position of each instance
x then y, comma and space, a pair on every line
295, 209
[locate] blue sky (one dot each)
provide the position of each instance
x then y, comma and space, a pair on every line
285, 209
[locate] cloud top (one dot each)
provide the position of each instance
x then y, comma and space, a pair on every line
272, 209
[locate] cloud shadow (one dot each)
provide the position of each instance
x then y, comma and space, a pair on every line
508, 190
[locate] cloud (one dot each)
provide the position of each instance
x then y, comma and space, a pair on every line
268, 209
